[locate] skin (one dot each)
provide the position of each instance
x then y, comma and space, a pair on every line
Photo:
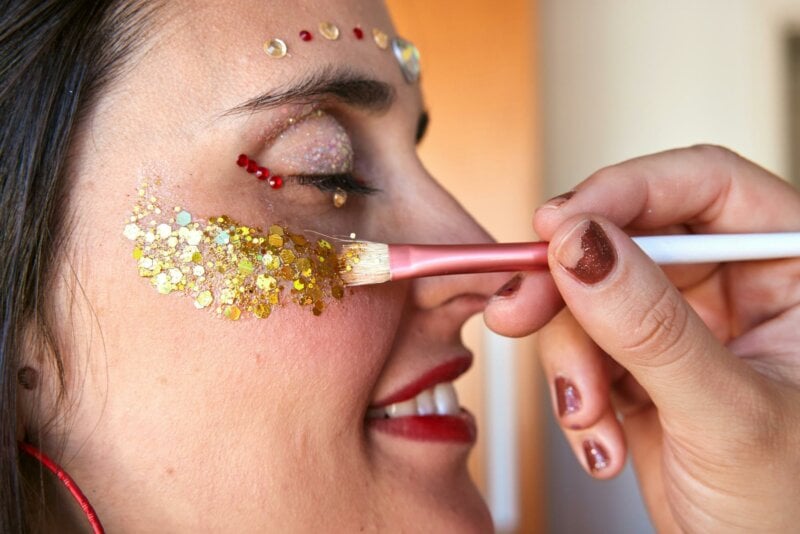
177, 418
699, 362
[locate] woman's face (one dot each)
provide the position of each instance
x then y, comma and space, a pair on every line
184, 418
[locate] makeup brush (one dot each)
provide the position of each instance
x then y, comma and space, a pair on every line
365, 262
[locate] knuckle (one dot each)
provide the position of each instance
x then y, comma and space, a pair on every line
714, 152
658, 332
607, 174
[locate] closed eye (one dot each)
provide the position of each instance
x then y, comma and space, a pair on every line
329, 183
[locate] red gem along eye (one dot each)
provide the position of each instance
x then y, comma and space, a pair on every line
305, 35
358, 32
262, 173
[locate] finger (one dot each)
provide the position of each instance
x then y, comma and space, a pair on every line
644, 436
710, 189
628, 307
574, 368
600, 449
628, 397
523, 305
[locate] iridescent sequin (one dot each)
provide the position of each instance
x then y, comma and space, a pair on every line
407, 57
233, 269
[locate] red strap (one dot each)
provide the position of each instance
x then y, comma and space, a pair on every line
65, 479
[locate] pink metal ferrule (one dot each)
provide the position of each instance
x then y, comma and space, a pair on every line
414, 261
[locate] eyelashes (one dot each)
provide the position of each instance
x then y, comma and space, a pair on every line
330, 183
339, 184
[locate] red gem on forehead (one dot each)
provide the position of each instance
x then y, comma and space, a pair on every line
358, 32
276, 182
305, 35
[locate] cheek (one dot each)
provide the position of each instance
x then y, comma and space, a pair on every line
170, 358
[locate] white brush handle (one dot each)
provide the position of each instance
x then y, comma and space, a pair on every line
671, 249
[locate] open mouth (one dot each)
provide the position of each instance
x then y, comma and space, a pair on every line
440, 399
427, 409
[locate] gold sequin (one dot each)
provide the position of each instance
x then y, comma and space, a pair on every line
238, 267
233, 313
287, 256
203, 299
275, 240
261, 310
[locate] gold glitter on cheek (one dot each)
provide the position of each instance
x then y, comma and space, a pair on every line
233, 269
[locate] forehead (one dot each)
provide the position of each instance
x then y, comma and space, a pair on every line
222, 43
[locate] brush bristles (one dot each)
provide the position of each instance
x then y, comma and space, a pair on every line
364, 262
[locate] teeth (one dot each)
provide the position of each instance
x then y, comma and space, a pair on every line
446, 399
425, 403
441, 399
401, 409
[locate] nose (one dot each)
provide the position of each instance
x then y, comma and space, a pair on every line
430, 215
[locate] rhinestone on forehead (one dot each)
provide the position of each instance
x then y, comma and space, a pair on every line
381, 38
407, 57
329, 30
275, 48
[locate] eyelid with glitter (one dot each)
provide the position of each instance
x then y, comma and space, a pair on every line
316, 144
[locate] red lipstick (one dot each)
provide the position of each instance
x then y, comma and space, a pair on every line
459, 428
446, 372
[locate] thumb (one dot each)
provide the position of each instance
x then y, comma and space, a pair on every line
632, 311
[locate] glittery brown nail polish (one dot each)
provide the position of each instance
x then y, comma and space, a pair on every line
560, 199
596, 255
568, 398
596, 455
510, 287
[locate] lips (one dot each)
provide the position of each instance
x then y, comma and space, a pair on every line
446, 372
427, 409
459, 428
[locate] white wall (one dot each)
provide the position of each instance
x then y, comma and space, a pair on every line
627, 77
623, 78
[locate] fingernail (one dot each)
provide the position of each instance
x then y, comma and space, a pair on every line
589, 259
596, 455
510, 287
557, 201
568, 397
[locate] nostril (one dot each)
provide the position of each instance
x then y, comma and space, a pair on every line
510, 287
469, 293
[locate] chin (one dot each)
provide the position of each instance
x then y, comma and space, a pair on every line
459, 508
439, 500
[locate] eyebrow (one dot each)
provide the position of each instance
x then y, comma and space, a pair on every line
345, 86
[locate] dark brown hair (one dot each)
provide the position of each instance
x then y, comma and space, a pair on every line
55, 56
